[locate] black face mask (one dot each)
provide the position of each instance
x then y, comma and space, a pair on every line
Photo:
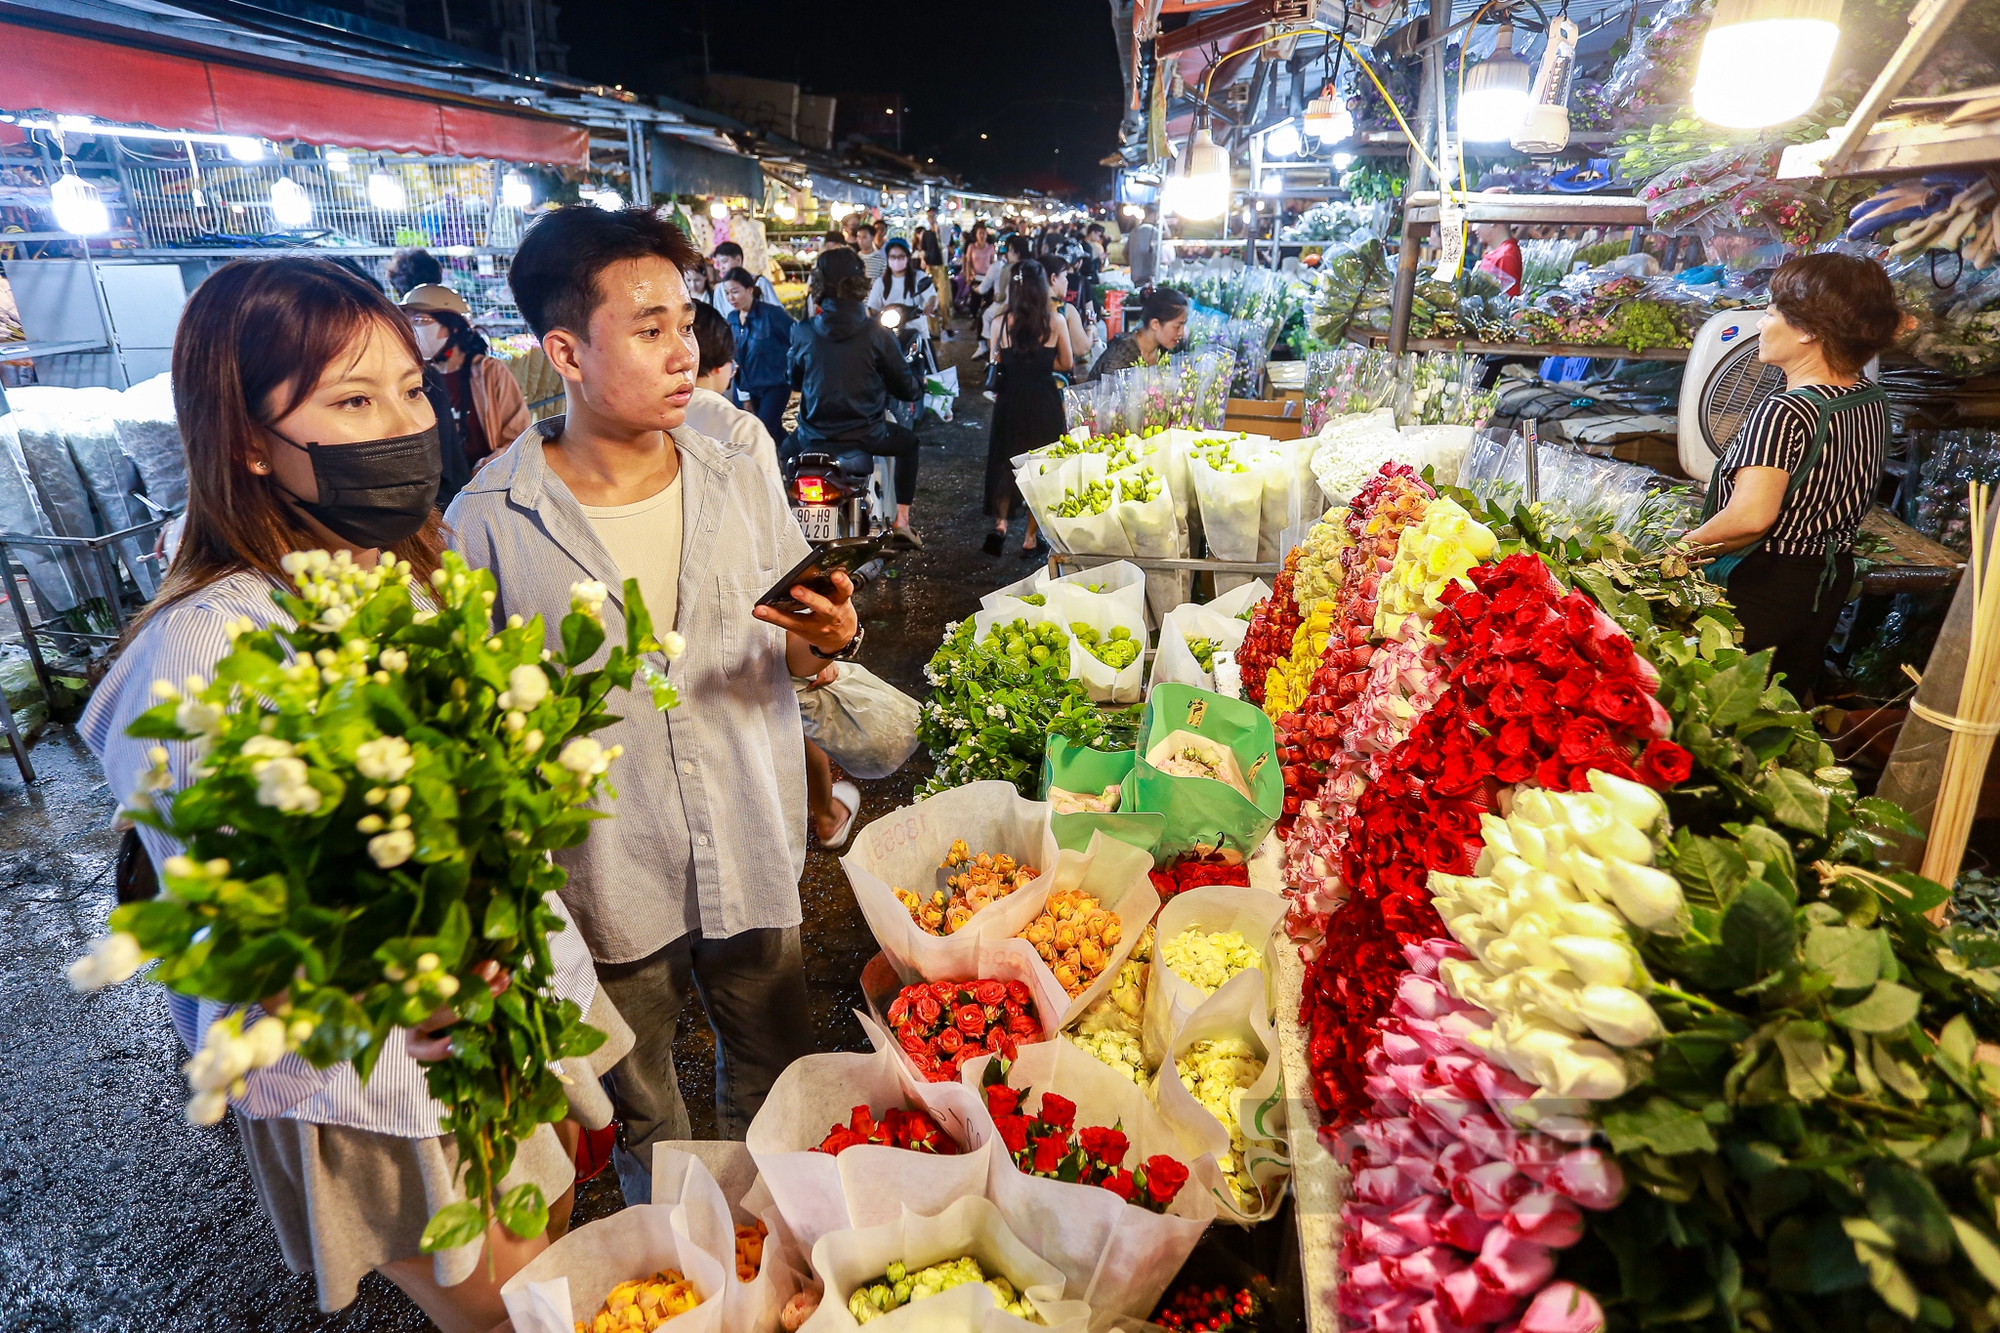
375, 493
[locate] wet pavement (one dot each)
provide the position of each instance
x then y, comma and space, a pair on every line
116, 1214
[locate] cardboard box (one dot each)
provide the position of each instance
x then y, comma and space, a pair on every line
1280, 418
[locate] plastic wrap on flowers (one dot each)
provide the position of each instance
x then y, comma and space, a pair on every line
1115, 1255
1273, 625
562, 1288
1222, 1091
1180, 631
868, 1183
1203, 940
1457, 1214
907, 850
969, 1228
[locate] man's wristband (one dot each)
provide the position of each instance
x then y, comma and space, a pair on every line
846, 654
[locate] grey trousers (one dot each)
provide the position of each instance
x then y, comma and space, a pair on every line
753, 986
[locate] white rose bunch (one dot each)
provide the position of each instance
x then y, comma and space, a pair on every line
1206, 960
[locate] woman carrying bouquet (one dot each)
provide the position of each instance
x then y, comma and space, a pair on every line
299, 391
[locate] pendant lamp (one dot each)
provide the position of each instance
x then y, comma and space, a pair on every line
1763, 61
1496, 93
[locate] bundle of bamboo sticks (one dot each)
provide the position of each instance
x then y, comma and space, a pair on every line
1977, 719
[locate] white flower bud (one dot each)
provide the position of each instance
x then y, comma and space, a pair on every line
447, 986
1532, 808
516, 721
1600, 962
532, 741
1594, 920
1650, 898
206, 1108
584, 757
394, 659
112, 958
427, 962
1528, 841
398, 798
267, 1042
1634, 802
1619, 841
389, 850
384, 759
1618, 1016
369, 824
528, 685
672, 645
1587, 873
165, 690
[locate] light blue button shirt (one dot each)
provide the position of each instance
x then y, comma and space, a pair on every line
708, 829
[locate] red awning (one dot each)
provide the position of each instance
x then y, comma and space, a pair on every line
71, 75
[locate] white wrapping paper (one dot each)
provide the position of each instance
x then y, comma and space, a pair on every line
1232, 503
1122, 584
1104, 612
1115, 873
907, 849
726, 1192
569, 1280
1171, 999
816, 1193
846, 1260
1088, 533
1175, 661
1116, 1256
1235, 601
1234, 1011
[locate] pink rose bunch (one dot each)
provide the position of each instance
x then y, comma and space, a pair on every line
1456, 1214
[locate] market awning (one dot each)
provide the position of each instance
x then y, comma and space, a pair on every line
680, 167
68, 74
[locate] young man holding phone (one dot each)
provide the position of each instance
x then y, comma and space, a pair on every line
695, 875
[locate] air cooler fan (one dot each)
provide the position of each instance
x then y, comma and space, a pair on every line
1723, 384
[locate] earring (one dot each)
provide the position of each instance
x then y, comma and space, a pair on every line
260, 467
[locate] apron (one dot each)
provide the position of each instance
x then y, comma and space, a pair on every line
1719, 569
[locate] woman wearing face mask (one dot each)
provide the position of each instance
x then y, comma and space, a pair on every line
299, 390
902, 282
486, 399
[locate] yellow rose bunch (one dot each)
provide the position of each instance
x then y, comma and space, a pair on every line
1286, 685
1431, 555
643, 1304
1075, 936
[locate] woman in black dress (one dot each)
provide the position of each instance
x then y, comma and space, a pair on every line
1028, 346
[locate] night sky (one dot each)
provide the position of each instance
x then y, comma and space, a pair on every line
1040, 77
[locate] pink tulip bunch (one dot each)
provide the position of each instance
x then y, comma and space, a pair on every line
1456, 1213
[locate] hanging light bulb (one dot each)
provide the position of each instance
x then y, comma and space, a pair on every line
1200, 189
609, 200
1496, 93
1544, 126
79, 208
1283, 141
785, 210
1328, 119
1273, 182
1342, 161
515, 191
290, 205
1763, 61
245, 150
386, 192
336, 160
718, 209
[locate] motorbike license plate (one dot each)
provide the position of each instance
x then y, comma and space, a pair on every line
819, 523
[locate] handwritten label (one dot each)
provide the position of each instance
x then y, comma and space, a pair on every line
1196, 711
886, 835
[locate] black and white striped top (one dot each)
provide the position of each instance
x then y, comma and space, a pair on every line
1825, 511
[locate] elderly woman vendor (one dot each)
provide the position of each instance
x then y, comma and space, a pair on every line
1788, 495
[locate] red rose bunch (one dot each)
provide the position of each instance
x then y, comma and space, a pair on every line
898, 1128
1049, 1144
1190, 871
943, 1024
1542, 687
1272, 625
1206, 1310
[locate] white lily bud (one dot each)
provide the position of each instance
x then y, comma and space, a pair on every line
1528, 841
1618, 1016
1532, 808
1600, 962
1635, 802
1496, 833
1591, 919
1507, 871
267, 1042
1650, 898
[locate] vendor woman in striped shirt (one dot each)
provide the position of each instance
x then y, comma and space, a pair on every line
301, 400
1788, 495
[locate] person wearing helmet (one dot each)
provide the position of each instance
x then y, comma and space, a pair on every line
486, 399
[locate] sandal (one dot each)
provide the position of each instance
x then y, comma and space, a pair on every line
848, 795
995, 543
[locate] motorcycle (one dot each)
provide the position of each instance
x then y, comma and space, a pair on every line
913, 336
830, 494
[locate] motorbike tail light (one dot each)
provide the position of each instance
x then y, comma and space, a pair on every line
812, 490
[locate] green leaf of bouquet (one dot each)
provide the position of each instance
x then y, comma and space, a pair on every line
1812, 1255
503, 918
1661, 1124
1872, 1248
1878, 813
1850, 956
1899, 1073
458, 1224
1733, 693
581, 638
1904, 1203
1795, 800
522, 1210
1979, 1248
1810, 1063
1887, 1008
1758, 932
638, 621
1709, 869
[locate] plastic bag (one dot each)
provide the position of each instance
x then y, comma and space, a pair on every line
844, 1260
1115, 1256
868, 1184
867, 725
1204, 814
1175, 661
570, 1279
907, 849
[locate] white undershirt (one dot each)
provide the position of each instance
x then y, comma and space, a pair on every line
644, 539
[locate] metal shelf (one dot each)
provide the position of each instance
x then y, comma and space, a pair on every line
28, 351
1535, 349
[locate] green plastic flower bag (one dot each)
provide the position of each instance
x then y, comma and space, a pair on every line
1210, 765
1088, 772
